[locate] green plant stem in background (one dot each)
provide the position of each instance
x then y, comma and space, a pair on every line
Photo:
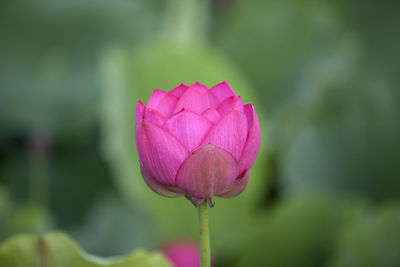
39, 177
204, 235
187, 21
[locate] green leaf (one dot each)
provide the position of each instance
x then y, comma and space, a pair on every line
113, 227
22, 218
29, 218
58, 250
300, 231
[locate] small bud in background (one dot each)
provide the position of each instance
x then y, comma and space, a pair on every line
182, 253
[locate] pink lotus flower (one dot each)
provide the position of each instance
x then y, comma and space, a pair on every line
197, 142
183, 253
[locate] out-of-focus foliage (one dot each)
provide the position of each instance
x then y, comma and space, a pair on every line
373, 239
56, 249
330, 87
17, 218
323, 231
49, 54
304, 228
323, 76
114, 227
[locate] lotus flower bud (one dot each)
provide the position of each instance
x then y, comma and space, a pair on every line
197, 142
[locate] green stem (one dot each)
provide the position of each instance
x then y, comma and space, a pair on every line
187, 21
39, 178
204, 235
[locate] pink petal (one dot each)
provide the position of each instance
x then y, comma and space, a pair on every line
183, 253
140, 111
200, 87
230, 133
179, 90
157, 187
193, 100
159, 151
237, 187
222, 91
213, 101
252, 145
211, 115
230, 103
207, 171
167, 105
189, 127
154, 116
155, 98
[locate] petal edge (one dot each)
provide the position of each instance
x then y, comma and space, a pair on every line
230, 133
237, 187
159, 151
222, 91
250, 150
156, 186
189, 127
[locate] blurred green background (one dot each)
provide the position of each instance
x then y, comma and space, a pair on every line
324, 78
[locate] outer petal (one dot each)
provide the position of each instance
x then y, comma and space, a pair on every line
208, 171
155, 98
179, 90
193, 100
237, 187
140, 111
211, 115
154, 116
222, 91
158, 187
159, 151
167, 105
229, 104
189, 127
250, 150
230, 133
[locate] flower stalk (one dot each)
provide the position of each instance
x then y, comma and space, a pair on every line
204, 235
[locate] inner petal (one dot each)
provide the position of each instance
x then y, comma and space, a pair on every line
155, 98
154, 116
189, 127
193, 100
230, 133
211, 115
167, 105
229, 104
179, 90
213, 101
200, 87
222, 91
